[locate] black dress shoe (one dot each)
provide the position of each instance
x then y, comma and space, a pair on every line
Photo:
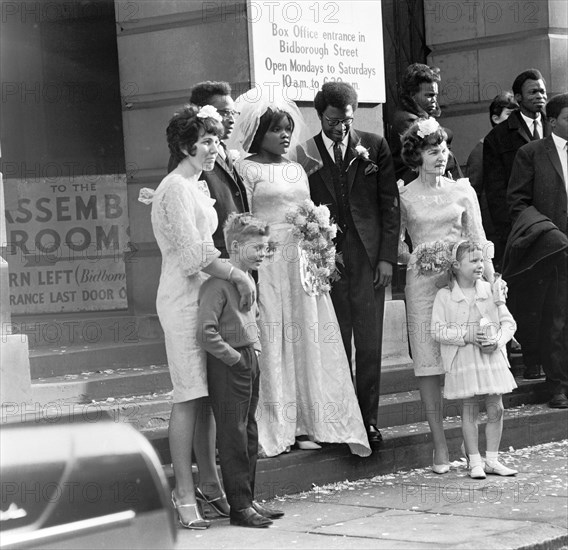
248, 518
266, 512
373, 434
533, 372
558, 401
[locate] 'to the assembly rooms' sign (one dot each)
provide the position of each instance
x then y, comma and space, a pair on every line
301, 45
66, 241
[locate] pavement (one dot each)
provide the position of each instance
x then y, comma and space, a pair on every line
417, 509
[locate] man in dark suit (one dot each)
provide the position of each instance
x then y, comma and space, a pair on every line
225, 184
501, 145
539, 179
358, 185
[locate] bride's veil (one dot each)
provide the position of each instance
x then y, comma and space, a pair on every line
252, 105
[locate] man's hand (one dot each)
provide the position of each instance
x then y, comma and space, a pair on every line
245, 287
383, 274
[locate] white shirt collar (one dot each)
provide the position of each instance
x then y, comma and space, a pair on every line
560, 144
530, 123
329, 144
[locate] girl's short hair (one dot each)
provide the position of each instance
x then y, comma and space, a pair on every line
457, 253
185, 128
241, 227
267, 121
413, 144
460, 249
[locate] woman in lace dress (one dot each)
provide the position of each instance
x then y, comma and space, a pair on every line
184, 220
433, 208
306, 391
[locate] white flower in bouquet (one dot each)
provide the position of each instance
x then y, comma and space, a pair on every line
313, 229
322, 215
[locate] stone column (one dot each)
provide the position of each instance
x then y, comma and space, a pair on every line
15, 379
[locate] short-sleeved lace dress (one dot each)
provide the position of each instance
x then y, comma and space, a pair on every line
448, 213
183, 220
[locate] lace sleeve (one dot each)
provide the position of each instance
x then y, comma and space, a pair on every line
403, 250
473, 226
186, 229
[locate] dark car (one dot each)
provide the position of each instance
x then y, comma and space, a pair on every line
81, 485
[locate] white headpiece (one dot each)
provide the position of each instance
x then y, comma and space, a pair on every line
252, 105
427, 126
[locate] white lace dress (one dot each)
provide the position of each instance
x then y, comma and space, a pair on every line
449, 213
183, 220
305, 381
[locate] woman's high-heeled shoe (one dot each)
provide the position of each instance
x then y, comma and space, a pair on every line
197, 523
219, 504
439, 468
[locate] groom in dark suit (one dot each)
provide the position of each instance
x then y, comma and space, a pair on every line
358, 185
539, 179
224, 182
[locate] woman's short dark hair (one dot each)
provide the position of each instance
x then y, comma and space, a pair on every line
267, 120
416, 74
185, 128
336, 94
555, 105
413, 144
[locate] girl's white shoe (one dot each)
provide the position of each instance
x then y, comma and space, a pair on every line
477, 472
499, 469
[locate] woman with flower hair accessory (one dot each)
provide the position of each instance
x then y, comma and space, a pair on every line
306, 392
473, 325
184, 220
434, 211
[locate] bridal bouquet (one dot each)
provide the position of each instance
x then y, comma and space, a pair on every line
318, 258
433, 257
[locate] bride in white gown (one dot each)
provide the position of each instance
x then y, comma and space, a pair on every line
306, 391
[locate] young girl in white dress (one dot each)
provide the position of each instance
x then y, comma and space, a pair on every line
473, 329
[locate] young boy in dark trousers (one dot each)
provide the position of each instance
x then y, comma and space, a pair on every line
231, 338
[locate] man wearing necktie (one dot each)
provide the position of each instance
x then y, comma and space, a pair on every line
539, 179
499, 149
225, 184
501, 145
358, 185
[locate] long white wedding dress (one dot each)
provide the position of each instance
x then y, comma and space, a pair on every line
305, 381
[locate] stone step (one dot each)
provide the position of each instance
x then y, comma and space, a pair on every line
51, 361
395, 412
403, 448
87, 387
83, 329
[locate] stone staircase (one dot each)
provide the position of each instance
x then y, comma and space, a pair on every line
92, 366
81, 359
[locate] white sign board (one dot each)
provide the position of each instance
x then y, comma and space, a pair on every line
301, 45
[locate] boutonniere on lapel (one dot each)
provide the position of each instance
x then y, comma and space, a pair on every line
363, 154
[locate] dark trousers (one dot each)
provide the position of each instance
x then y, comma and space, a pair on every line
540, 309
234, 397
359, 308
